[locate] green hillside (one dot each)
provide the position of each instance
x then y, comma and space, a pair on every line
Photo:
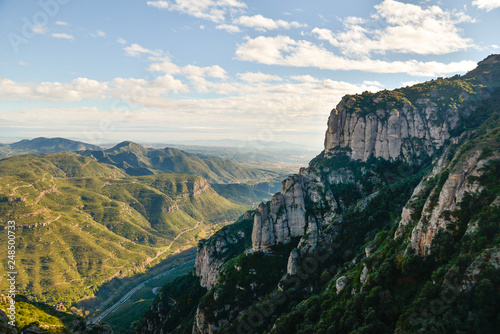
139, 160
40, 318
81, 222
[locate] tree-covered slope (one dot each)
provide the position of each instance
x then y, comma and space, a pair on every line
139, 160
81, 222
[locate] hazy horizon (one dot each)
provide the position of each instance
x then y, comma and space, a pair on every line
159, 71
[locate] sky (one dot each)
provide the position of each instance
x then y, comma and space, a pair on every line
160, 71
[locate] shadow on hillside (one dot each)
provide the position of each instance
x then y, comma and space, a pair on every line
111, 292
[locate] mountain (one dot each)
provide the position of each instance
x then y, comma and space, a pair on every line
139, 160
44, 145
81, 223
394, 227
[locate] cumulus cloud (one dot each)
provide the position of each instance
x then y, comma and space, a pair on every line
63, 36
76, 90
285, 51
486, 4
62, 23
228, 27
212, 10
403, 28
136, 50
255, 110
305, 78
165, 66
121, 41
258, 77
261, 23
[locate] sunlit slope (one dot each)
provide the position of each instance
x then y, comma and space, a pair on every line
139, 160
81, 222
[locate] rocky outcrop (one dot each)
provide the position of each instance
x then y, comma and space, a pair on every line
214, 252
199, 187
388, 129
341, 284
490, 257
281, 219
449, 186
287, 216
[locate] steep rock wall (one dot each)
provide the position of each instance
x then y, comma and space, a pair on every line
391, 130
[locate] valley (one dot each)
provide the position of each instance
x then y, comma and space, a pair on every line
88, 229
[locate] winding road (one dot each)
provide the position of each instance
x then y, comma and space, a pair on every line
140, 286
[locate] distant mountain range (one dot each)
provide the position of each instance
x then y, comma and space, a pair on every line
44, 145
246, 144
137, 160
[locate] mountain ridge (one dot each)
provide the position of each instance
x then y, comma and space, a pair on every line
367, 236
136, 159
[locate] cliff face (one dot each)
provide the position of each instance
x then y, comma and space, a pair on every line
406, 190
444, 189
388, 129
214, 252
405, 125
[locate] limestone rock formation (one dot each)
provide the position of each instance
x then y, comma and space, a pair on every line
386, 130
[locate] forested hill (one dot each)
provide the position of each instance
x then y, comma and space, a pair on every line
136, 159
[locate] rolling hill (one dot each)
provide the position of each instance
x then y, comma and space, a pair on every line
44, 145
136, 159
81, 222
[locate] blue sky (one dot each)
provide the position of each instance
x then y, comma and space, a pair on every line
157, 71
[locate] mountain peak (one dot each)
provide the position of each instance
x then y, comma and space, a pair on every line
129, 146
407, 123
490, 60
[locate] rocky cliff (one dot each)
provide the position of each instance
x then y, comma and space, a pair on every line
400, 209
406, 123
214, 252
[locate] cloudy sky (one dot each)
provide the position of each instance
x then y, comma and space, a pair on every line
157, 71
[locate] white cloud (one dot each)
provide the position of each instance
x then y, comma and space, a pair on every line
255, 111
139, 90
228, 27
63, 36
213, 10
136, 50
165, 66
121, 41
403, 28
40, 29
76, 90
304, 78
132, 89
282, 50
261, 23
23, 63
486, 4
62, 23
101, 33
258, 77
210, 71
